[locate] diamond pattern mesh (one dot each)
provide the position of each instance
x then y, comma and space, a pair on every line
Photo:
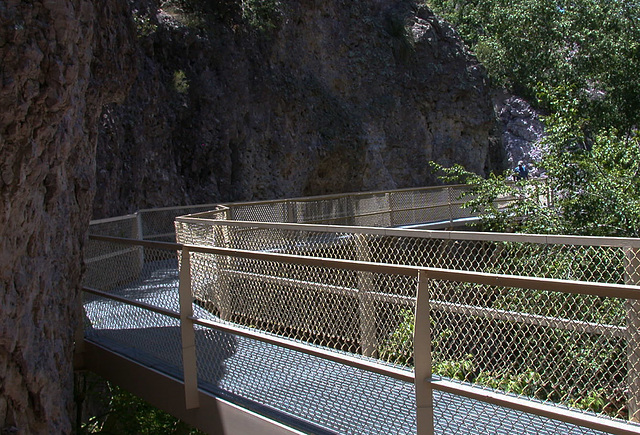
576, 351
565, 349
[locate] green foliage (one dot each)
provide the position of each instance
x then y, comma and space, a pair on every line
217, 9
503, 206
595, 401
144, 25
129, 415
398, 348
262, 14
461, 370
528, 383
596, 176
578, 61
547, 364
589, 46
180, 82
203, 16
594, 180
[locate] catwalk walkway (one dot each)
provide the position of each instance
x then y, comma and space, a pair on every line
305, 392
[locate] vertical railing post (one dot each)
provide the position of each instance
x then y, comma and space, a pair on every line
392, 218
422, 358
366, 304
138, 234
632, 307
138, 228
449, 203
224, 264
189, 361
290, 214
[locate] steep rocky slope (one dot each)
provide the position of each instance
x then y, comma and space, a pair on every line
339, 95
60, 62
316, 97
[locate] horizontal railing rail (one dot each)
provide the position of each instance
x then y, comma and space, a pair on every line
424, 276
556, 316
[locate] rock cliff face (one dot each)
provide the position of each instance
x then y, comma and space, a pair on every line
61, 60
522, 130
316, 97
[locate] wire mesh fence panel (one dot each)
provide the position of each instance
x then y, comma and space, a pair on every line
565, 349
110, 265
330, 211
273, 211
377, 209
594, 263
555, 347
134, 272
372, 210
121, 226
344, 310
414, 207
149, 338
561, 261
157, 224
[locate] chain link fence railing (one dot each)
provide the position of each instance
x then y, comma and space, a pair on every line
376, 209
133, 286
572, 349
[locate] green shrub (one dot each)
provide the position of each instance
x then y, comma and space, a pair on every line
144, 25
398, 348
180, 82
545, 363
262, 14
129, 415
461, 370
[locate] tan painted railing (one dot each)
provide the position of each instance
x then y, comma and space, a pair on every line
545, 325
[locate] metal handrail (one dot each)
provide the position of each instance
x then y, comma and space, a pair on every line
624, 291
427, 273
422, 377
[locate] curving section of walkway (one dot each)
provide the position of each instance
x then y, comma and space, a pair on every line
308, 393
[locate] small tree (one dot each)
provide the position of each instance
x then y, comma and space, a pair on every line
577, 60
592, 180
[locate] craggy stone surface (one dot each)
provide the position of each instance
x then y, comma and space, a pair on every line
60, 61
340, 96
522, 130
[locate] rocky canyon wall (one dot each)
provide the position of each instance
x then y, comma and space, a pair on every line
317, 97
60, 61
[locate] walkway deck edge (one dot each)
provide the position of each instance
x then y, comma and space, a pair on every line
214, 416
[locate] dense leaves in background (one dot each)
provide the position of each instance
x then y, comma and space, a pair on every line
259, 14
127, 414
577, 61
590, 47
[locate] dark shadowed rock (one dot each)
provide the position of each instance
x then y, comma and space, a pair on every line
61, 60
338, 96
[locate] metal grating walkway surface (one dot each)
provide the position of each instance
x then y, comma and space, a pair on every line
306, 392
